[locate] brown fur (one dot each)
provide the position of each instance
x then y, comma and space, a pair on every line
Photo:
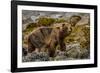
55, 37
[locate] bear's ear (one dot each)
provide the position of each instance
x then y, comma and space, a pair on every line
74, 20
58, 27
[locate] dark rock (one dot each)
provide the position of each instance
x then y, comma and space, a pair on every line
24, 52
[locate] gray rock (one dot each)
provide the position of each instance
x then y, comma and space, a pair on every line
35, 56
76, 52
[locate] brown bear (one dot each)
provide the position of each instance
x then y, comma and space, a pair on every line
48, 37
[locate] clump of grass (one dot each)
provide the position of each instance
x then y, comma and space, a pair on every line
44, 21
60, 20
30, 27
